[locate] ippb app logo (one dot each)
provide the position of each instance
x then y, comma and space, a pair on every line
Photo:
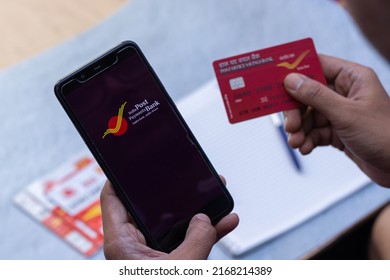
117, 125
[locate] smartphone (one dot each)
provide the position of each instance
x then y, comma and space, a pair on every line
142, 143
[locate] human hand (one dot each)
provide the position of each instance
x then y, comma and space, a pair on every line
122, 239
352, 114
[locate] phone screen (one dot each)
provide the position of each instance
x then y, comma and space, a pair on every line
147, 151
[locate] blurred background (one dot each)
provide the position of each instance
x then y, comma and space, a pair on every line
43, 40
30, 27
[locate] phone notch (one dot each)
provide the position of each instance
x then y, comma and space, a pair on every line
96, 68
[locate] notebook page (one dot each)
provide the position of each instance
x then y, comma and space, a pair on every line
270, 195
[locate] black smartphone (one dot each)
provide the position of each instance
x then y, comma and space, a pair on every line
142, 143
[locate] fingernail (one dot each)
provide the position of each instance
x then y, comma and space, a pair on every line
203, 217
285, 122
293, 82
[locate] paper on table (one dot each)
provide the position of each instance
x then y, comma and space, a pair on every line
270, 195
67, 202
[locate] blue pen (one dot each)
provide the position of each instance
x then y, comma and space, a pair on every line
278, 123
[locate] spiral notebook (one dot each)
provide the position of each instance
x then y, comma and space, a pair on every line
271, 195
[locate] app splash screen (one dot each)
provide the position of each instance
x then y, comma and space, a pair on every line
131, 123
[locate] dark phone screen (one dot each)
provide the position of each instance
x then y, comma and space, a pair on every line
128, 118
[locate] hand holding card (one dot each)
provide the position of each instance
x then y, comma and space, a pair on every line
251, 84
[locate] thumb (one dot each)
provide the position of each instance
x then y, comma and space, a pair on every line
200, 238
314, 94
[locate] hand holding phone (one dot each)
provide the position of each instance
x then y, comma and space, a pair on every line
123, 240
143, 145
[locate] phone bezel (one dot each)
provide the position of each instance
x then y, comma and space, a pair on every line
91, 70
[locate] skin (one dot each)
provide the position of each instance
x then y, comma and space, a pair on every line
379, 247
123, 240
352, 115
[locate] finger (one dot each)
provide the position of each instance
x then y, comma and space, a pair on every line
293, 126
200, 238
223, 179
226, 225
320, 137
114, 214
315, 95
341, 74
292, 120
297, 123
312, 120
312, 140
296, 140
333, 67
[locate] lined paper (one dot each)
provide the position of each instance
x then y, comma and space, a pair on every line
270, 195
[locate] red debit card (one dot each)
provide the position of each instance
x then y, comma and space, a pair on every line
252, 83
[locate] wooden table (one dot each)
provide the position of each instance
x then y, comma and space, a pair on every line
28, 27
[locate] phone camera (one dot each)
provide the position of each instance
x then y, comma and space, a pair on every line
82, 76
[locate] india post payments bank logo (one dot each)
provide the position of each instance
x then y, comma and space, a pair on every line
296, 63
117, 125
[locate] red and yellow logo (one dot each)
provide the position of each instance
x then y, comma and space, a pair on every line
117, 125
296, 63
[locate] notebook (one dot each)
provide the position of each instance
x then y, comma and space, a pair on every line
270, 195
